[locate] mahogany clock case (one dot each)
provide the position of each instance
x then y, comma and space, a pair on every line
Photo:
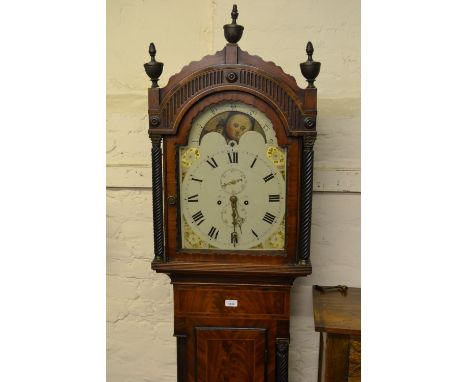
232, 74
232, 307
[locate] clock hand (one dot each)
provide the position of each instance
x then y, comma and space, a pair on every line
233, 200
236, 220
239, 219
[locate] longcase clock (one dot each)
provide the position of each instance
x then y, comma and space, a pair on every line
232, 163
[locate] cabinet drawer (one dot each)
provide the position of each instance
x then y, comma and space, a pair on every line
228, 301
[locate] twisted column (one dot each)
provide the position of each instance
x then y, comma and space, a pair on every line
158, 228
282, 352
303, 256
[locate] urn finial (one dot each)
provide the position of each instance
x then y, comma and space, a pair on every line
310, 69
153, 68
233, 32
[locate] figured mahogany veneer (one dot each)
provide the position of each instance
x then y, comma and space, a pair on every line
239, 352
252, 301
237, 343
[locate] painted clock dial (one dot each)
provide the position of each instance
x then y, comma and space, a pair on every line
232, 181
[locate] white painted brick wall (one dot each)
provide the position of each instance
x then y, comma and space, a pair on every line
140, 345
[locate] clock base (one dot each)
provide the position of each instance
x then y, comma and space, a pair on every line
231, 331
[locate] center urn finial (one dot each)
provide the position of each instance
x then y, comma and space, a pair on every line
233, 31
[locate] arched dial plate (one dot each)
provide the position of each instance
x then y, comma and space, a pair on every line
232, 181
